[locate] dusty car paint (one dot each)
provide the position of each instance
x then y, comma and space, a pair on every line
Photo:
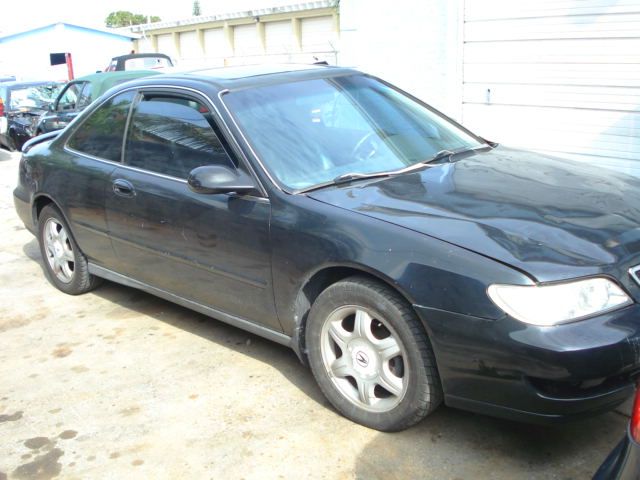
440, 237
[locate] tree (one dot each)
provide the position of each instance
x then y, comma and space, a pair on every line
196, 8
122, 18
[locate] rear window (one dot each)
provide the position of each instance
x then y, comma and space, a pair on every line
146, 63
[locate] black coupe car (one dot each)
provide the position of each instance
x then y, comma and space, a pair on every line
407, 260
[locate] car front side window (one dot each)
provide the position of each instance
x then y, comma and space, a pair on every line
85, 97
172, 135
69, 97
101, 134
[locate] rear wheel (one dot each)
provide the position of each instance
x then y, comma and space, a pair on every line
370, 355
65, 265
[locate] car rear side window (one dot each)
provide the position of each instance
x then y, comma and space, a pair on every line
172, 135
101, 134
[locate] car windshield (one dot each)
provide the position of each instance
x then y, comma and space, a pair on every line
310, 132
38, 96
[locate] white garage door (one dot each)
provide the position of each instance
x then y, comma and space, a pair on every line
245, 40
166, 45
561, 76
278, 37
189, 45
215, 45
145, 45
317, 34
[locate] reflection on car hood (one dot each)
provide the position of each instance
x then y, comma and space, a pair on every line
549, 217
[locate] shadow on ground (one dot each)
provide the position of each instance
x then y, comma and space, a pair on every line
278, 356
5, 154
456, 444
448, 444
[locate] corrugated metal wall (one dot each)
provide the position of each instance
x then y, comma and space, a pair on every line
557, 75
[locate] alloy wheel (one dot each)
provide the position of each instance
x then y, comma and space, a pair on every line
59, 250
364, 358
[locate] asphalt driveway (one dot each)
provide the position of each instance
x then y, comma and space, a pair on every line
120, 384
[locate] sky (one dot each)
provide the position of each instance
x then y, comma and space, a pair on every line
33, 13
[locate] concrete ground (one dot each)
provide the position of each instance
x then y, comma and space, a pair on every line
120, 384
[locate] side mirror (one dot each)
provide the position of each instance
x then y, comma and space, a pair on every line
212, 179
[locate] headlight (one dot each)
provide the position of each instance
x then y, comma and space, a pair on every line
564, 302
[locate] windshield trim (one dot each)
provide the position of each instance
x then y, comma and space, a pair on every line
292, 191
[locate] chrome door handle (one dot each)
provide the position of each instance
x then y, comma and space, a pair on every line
123, 188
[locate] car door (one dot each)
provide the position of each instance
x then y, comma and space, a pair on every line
212, 249
65, 108
80, 183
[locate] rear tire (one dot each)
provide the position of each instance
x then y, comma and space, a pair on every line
65, 265
370, 355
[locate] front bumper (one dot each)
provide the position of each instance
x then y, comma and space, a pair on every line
513, 370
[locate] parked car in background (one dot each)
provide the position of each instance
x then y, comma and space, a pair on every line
407, 260
78, 95
21, 105
623, 463
139, 61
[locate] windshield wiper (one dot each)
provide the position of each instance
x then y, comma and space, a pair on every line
345, 178
351, 176
449, 154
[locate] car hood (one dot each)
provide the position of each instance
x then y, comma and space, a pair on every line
551, 218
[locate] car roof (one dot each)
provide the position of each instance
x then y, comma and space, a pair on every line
103, 81
246, 76
99, 77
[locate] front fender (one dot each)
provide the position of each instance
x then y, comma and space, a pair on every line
309, 236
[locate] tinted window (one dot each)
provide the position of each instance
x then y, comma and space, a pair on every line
310, 132
146, 63
172, 136
101, 134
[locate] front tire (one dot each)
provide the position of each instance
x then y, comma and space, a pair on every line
65, 265
370, 355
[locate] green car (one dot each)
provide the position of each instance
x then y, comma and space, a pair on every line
79, 93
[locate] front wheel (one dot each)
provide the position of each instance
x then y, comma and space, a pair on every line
370, 355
